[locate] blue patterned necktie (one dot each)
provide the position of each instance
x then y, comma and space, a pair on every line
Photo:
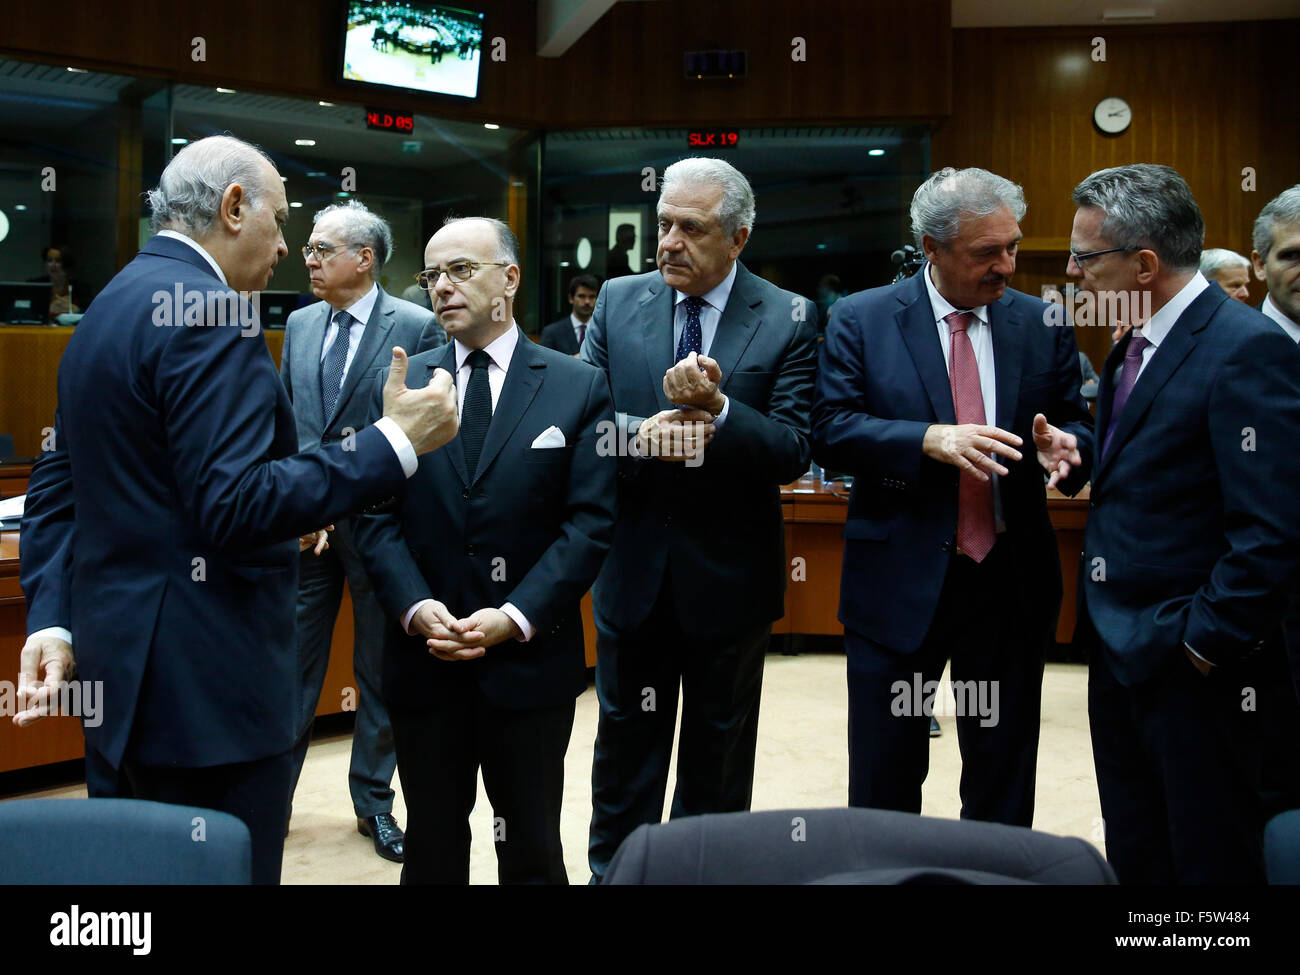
336, 360
476, 412
692, 337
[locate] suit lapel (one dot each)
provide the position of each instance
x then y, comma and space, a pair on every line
523, 379
311, 351
372, 338
1166, 359
1106, 396
454, 451
921, 335
737, 325
1008, 353
657, 313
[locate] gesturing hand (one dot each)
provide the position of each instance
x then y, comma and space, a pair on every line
969, 446
694, 382
1058, 451
427, 416
319, 540
676, 435
43, 664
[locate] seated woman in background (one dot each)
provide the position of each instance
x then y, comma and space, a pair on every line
58, 264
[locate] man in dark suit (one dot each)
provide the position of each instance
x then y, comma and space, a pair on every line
332, 352
696, 575
159, 535
567, 334
483, 564
1192, 542
927, 392
1276, 260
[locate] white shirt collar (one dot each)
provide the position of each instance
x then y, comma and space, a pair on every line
499, 350
1162, 321
362, 307
942, 307
216, 268
717, 298
1278, 315
577, 322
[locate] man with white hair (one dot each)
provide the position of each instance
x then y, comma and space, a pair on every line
332, 352
1229, 270
161, 531
940, 394
711, 369
1276, 258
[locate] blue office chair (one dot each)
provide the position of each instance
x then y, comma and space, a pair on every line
850, 846
120, 841
1282, 848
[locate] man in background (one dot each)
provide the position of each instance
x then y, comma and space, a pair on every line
332, 352
567, 334
1229, 270
616, 262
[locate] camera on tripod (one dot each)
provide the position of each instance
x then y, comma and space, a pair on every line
909, 261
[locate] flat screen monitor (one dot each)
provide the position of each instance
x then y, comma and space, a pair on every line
275, 307
426, 47
24, 303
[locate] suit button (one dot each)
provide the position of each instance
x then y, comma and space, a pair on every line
946, 546
469, 550
1092, 505
324, 441
465, 494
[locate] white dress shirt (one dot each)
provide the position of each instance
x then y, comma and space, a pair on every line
1278, 315
980, 333
578, 326
1162, 321
360, 311
500, 351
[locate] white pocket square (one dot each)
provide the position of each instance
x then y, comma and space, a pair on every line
550, 437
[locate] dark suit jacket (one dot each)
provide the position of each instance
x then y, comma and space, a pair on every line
392, 322
717, 525
531, 529
559, 336
163, 529
1193, 530
881, 384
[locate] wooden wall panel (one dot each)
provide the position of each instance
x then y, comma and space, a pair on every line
1207, 99
626, 70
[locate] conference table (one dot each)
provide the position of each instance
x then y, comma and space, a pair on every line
814, 523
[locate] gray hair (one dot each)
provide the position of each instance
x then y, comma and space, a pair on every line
507, 242
1283, 208
1217, 259
363, 228
188, 196
737, 207
1147, 206
950, 194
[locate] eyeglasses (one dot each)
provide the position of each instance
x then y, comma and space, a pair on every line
1080, 258
320, 250
457, 271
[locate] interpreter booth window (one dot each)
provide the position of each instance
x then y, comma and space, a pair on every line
326, 154
831, 203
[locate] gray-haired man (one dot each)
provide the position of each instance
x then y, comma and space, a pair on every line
332, 352
699, 352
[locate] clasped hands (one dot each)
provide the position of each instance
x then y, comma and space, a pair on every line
971, 446
453, 639
682, 433
317, 540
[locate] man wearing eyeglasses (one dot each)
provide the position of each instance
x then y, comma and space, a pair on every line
332, 352
481, 568
1192, 542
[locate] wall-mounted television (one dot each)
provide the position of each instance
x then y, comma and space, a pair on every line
426, 47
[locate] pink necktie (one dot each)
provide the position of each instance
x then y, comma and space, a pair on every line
976, 530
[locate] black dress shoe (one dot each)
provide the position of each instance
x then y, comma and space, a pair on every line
388, 836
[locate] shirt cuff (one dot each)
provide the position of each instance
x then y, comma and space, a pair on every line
410, 613
633, 447
721, 418
58, 632
401, 444
1197, 655
526, 630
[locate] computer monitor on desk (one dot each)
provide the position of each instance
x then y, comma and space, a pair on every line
24, 303
275, 307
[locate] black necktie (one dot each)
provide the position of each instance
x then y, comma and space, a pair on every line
476, 414
331, 370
